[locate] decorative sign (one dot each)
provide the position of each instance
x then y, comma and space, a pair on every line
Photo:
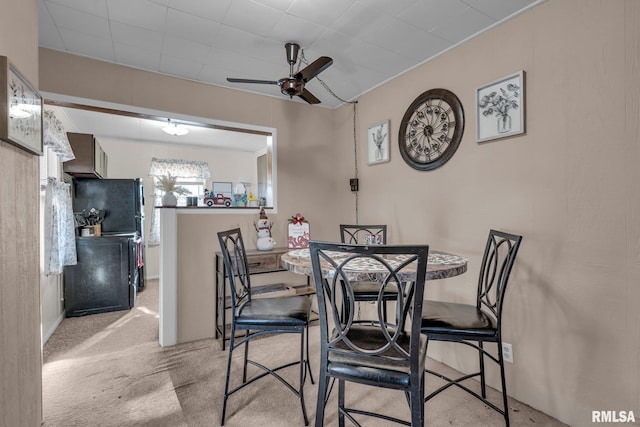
298, 232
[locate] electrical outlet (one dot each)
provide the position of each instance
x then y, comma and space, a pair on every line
507, 352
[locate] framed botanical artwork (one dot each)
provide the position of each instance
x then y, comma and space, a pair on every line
500, 108
378, 142
20, 109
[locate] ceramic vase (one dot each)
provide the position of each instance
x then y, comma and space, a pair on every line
169, 200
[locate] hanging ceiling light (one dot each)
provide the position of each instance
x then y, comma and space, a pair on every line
175, 129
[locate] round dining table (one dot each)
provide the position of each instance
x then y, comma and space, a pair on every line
440, 265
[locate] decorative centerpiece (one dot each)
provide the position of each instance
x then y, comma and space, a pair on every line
298, 232
168, 184
263, 227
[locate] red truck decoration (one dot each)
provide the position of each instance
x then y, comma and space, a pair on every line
211, 199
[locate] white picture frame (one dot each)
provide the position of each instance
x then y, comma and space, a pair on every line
500, 108
378, 142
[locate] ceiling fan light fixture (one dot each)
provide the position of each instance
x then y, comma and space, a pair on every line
175, 129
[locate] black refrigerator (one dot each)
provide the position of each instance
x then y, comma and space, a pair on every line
110, 269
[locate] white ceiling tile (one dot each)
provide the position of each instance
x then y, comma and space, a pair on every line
136, 57
421, 15
179, 67
137, 37
245, 43
499, 9
294, 29
184, 49
246, 66
253, 17
465, 25
73, 19
48, 35
139, 13
212, 10
87, 45
359, 19
282, 5
407, 40
190, 27
393, 8
94, 7
321, 12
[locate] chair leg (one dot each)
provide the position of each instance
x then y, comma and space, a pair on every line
307, 361
226, 383
504, 385
483, 385
303, 370
246, 357
341, 403
417, 405
323, 383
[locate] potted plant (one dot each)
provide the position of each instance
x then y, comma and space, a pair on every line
168, 184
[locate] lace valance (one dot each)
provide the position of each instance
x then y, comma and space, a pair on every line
179, 168
55, 136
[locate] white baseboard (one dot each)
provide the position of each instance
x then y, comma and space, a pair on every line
152, 277
53, 328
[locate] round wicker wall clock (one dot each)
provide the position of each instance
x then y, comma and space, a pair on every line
431, 129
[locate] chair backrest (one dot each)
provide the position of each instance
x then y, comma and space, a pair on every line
334, 292
363, 234
498, 259
235, 264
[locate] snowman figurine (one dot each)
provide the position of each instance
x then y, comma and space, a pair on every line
263, 227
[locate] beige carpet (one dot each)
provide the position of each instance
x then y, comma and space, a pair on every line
108, 370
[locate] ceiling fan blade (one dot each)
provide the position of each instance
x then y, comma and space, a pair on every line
313, 69
308, 96
263, 82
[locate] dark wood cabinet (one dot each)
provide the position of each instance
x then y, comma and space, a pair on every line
90, 161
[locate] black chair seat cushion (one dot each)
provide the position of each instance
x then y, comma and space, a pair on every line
288, 311
390, 368
448, 318
366, 290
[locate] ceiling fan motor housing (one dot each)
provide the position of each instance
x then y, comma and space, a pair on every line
291, 87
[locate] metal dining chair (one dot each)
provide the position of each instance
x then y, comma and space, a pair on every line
476, 324
367, 291
378, 354
258, 317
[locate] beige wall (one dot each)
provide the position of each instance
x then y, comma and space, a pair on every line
20, 354
570, 185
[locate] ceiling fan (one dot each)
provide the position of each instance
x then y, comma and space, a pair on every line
294, 84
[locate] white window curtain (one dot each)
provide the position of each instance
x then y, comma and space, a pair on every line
183, 169
59, 227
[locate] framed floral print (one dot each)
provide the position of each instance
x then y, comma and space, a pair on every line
20, 109
500, 108
378, 142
